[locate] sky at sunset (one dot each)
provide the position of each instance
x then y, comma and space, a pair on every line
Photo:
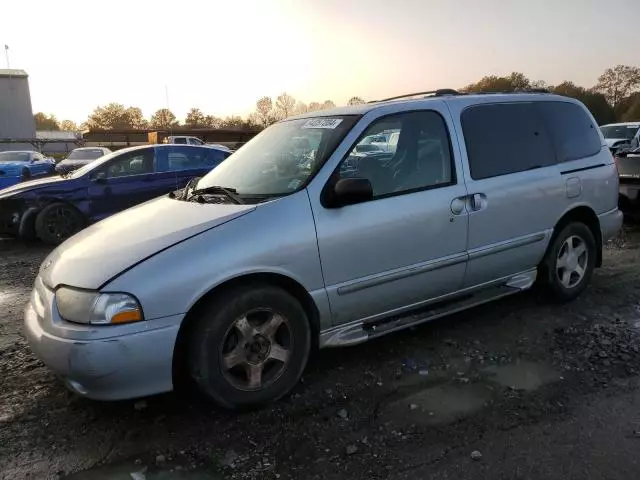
221, 56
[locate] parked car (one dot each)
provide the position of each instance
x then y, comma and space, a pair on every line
619, 135
183, 140
235, 278
629, 171
55, 208
17, 166
80, 157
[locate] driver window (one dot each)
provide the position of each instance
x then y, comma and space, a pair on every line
402, 153
133, 163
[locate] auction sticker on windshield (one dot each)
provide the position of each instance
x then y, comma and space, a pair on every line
330, 123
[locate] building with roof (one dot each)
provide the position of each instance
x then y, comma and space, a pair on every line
16, 115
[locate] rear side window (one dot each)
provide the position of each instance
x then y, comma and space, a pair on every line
573, 133
216, 157
505, 138
180, 141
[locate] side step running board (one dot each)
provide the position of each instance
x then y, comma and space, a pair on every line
431, 312
361, 331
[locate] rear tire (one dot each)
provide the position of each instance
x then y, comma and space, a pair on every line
57, 222
249, 346
569, 262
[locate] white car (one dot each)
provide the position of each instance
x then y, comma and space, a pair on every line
618, 134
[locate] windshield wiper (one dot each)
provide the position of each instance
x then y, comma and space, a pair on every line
231, 193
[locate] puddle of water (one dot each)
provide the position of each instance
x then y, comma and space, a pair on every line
442, 404
522, 375
139, 472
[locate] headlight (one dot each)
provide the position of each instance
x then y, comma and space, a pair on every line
84, 306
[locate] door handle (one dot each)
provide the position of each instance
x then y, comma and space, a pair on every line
477, 201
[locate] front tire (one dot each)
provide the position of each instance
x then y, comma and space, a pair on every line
249, 346
569, 263
57, 222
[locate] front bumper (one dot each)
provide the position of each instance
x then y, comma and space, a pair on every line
11, 212
106, 362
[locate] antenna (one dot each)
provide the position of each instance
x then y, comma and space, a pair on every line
166, 96
6, 54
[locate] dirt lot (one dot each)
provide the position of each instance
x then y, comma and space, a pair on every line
514, 389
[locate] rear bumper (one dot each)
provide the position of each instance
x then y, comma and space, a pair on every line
610, 224
125, 364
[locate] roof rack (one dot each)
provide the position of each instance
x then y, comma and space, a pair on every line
520, 90
436, 93
442, 92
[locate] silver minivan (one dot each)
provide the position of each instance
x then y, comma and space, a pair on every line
238, 277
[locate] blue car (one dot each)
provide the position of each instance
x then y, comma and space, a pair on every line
23, 165
52, 209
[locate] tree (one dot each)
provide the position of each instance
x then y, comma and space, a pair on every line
632, 113
493, 83
314, 107
595, 102
136, 119
233, 122
328, 104
264, 111
195, 119
285, 105
300, 108
163, 119
46, 122
355, 101
212, 121
69, 126
618, 82
115, 116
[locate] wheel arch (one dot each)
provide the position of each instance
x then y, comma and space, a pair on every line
293, 287
41, 204
586, 215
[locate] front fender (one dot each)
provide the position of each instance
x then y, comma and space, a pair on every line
278, 237
27, 229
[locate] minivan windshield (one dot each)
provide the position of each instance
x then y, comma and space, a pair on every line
619, 131
282, 158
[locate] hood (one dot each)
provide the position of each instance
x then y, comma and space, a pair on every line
30, 185
612, 141
76, 162
94, 256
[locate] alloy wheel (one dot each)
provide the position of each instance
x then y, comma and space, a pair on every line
256, 349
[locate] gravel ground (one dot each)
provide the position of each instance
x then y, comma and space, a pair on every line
514, 389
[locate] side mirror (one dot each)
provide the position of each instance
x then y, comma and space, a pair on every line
349, 191
99, 177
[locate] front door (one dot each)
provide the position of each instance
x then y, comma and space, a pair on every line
408, 244
123, 182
